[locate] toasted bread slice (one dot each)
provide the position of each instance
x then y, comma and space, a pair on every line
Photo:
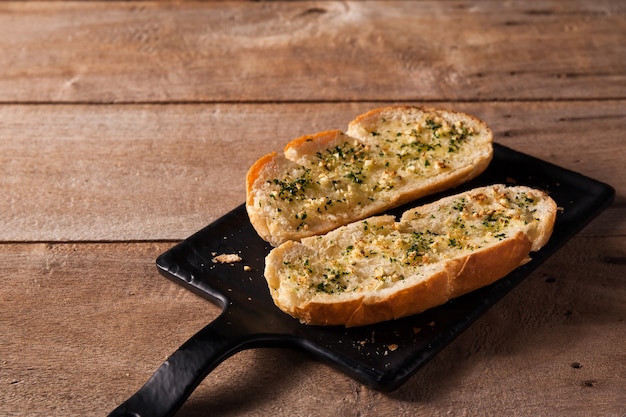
379, 269
388, 157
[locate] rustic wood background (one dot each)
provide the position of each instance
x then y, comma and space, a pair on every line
127, 126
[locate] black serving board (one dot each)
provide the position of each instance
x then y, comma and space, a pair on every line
382, 356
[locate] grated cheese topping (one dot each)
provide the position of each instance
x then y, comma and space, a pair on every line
381, 252
355, 173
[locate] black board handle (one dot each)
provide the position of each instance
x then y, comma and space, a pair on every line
168, 388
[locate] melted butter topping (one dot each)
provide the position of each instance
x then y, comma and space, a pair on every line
381, 254
354, 173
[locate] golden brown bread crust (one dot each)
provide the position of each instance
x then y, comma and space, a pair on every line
309, 144
256, 218
371, 117
298, 168
255, 169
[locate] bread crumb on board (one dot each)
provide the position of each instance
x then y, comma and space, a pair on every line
226, 258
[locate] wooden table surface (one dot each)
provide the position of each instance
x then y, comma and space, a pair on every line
127, 126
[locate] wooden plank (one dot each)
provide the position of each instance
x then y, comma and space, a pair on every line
79, 322
311, 51
84, 325
146, 172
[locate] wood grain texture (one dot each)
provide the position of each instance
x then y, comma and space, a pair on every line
127, 126
311, 51
145, 172
84, 325
67, 343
